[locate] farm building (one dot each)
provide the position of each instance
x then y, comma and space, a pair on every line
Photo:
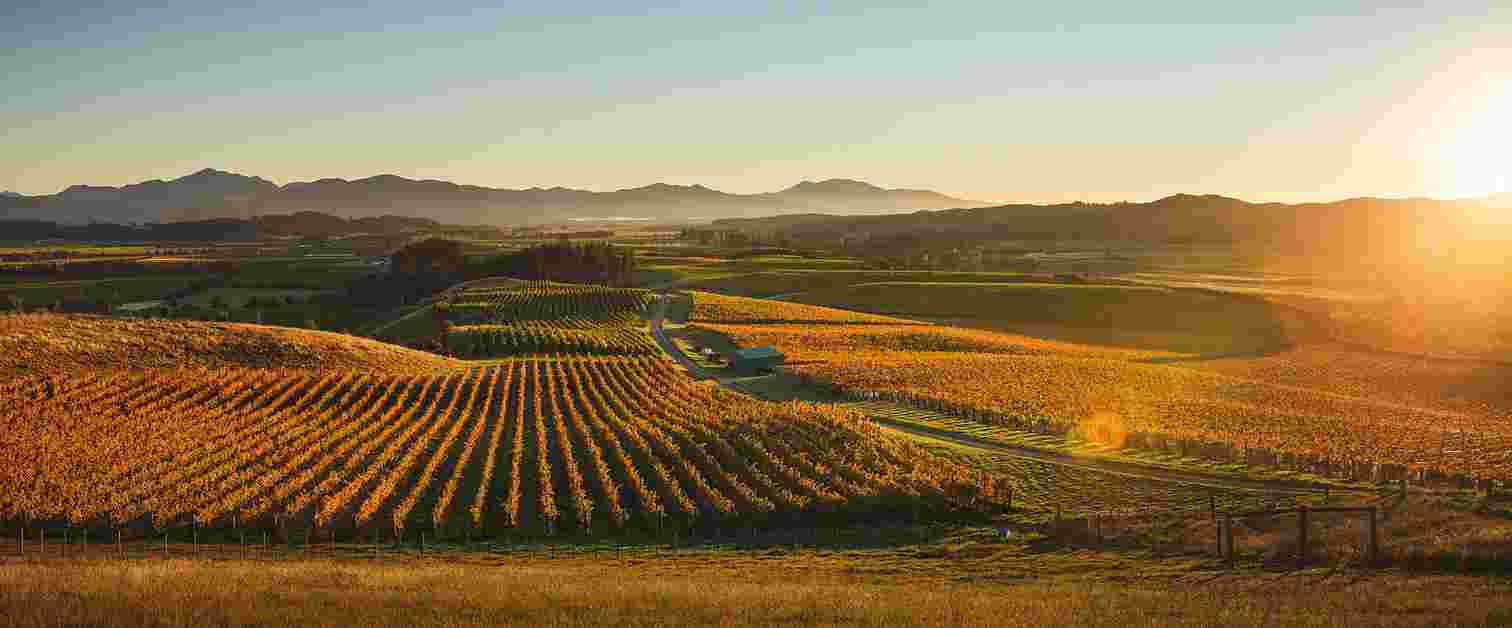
756, 359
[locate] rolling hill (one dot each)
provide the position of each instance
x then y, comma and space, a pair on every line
60, 345
163, 423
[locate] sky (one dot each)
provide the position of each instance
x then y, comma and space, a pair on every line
994, 101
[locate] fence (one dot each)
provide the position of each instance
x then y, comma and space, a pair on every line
1370, 543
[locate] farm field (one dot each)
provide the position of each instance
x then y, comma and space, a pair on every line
1143, 317
1108, 398
961, 584
542, 317
717, 308
1474, 387
60, 345
117, 289
772, 283
808, 337
532, 446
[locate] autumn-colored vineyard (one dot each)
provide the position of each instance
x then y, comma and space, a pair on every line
546, 317
585, 444
549, 301
575, 338
718, 308
33, 344
1111, 396
913, 338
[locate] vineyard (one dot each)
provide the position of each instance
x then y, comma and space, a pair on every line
549, 301
47, 343
717, 308
1144, 404
571, 337
1103, 396
913, 338
544, 317
535, 446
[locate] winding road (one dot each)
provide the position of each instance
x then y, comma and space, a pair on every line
1111, 467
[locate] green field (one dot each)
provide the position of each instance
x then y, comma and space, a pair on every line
1184, 321
116, 289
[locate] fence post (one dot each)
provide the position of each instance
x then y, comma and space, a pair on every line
1226, 535
1219, 537
120, 548
1302, 520
1373, 548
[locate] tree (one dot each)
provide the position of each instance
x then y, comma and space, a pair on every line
433, 256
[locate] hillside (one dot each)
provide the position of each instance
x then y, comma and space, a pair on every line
1377, 226
718, 308
48, 344
532, 446
1344, 410
214, 194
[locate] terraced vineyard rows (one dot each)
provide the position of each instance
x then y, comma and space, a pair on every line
573, 337
550, 301
532, 446
545, 317
1105, 397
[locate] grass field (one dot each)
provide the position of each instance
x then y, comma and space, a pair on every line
765, 283
1139, 316
959, 581
116, 290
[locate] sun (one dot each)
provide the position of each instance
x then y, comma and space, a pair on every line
1473, 156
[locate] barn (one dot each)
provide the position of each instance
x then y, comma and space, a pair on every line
756, 359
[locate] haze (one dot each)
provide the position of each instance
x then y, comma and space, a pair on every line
1282, 101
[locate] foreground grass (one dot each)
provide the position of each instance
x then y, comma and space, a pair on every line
712, 591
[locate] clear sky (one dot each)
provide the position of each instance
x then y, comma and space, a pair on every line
997, 100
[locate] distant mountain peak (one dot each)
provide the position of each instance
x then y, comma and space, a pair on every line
834, 186
218, 178
1183, 198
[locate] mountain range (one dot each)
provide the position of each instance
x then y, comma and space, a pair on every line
1345, 227
211, 193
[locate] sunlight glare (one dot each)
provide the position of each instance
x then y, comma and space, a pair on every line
1474, 157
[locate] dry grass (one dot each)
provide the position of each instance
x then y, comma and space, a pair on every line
545, 593
44, 344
